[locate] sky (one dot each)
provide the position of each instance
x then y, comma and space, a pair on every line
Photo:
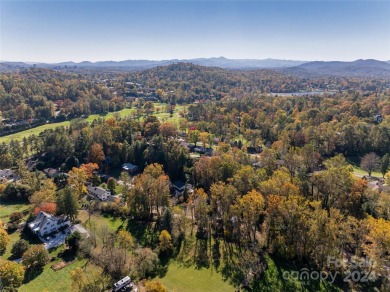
56, 31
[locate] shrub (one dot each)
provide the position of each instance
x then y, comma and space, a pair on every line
19, 248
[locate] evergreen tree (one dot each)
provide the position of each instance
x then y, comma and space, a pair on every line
385, 163
67, 203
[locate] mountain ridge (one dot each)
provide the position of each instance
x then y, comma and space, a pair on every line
215, 61
358, 68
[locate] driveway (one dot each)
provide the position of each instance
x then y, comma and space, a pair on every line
56, 241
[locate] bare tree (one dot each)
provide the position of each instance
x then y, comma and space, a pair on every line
370, 162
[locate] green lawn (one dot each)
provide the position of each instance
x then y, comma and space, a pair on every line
189, 279
358, 171
6, 209
14, 237
36, 131
50, 280
122, 113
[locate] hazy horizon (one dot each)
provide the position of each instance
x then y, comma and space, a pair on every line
155, 60
60, 31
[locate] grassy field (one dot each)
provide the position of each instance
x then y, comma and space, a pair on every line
112, 223
20, 135
162, 116
358, 171
183, 279
53, 281
7, 209
122, 113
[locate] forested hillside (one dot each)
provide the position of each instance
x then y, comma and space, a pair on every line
222, 177
39, 93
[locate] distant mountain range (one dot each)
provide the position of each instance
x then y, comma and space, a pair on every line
365, 68
143, 64
361, 68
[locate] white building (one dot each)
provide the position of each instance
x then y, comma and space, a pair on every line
80, 229
125, 283
98, 192
45, 223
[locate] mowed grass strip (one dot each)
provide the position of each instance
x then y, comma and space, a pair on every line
7, 209
36, 131
191, 279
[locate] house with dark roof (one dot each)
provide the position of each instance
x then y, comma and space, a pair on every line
178, 188
130, 168
45, 223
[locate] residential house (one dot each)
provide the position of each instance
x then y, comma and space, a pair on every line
98, 192
179, 187
45, 223
50, 172
378, 119
130, 168
7, 174
204, 151
31, 164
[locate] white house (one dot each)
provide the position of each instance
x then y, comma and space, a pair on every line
98, 192
45, 223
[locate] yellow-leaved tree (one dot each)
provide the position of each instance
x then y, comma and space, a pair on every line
4, 239
11, 275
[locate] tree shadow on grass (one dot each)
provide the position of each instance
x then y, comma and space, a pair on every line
216, 254
141, 231
230, 271
67, 255
162, 271
278, 276
32, 273
202, 259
